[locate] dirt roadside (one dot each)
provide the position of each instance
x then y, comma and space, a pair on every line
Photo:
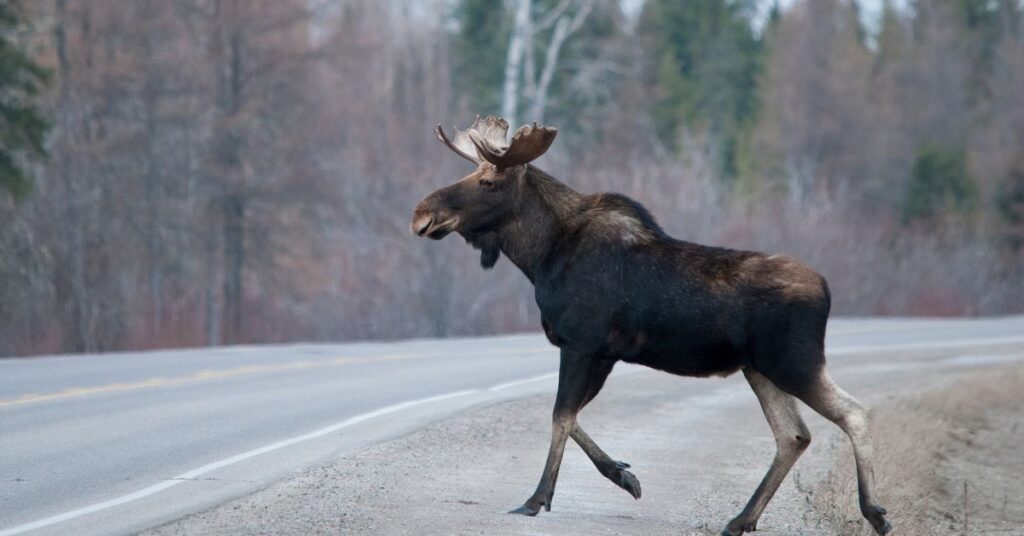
698, 457
951, 461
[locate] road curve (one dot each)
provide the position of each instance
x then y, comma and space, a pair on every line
117, 443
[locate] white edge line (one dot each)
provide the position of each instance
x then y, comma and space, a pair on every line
163, 485
506, 385
964, 343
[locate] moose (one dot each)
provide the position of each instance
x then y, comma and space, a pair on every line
612, 286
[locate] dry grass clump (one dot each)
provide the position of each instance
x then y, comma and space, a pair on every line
947, 462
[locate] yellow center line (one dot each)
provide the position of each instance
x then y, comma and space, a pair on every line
205, 375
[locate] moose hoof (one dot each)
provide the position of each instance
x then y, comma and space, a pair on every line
526, 510
876, 516
737, 527
630, 483
532, 507
617, 473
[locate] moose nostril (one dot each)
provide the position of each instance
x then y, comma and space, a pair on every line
421, 224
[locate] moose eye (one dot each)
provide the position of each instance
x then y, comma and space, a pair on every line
486, 183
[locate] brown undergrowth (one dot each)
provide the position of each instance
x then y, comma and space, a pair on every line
950, 461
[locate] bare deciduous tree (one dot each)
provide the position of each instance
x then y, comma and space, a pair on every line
565, 19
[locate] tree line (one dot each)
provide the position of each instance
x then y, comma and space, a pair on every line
199, 172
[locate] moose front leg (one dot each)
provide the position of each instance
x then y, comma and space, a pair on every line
577, 376
613, 470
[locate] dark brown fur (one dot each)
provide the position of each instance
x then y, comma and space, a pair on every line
613, 286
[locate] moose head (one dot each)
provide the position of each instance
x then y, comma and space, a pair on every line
479, 203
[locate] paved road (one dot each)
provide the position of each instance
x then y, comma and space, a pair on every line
117, 443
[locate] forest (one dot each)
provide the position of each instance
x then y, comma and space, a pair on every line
205, 172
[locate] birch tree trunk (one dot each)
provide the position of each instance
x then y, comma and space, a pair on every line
513, 64
520, 50
564, 27
79, 306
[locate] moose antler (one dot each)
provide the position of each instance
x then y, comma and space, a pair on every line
460, 146
485, 140
494, 129
528, 143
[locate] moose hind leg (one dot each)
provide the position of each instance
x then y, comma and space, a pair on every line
613, 470
838, 406
791, 438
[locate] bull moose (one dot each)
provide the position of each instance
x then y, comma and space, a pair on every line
612, 285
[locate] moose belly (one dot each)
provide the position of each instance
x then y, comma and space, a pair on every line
685, 354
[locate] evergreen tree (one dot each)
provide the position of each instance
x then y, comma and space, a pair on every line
938, 185
705, 60
892, 38
480, 43
22, 129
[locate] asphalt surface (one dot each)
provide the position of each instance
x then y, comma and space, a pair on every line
118, 443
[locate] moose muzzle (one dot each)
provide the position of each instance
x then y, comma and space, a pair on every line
430, 222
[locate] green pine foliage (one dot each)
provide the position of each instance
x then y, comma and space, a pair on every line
480, 44
1010, 203
938, 185
22, 128
706, 60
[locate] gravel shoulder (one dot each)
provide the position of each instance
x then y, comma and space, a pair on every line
699, 448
